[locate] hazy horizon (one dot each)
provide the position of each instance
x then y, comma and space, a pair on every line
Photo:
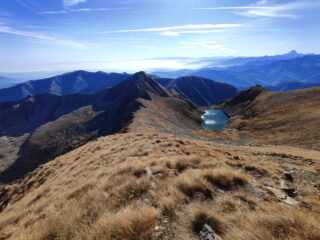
66, 35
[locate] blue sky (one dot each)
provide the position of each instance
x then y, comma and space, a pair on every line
132, 35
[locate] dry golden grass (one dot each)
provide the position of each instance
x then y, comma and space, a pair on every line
277, 223
286, 118
132, 223
226, 179
203, 217
127, 185
192, 183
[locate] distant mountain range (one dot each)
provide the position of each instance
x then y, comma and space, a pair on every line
265, 71
69, 83
207, 86
291, 86
200, 91
7, 82
256, 61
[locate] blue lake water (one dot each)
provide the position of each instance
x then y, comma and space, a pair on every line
214, 119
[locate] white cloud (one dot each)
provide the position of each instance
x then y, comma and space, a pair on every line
173, 31
213, 45
170, 34
183, 27
40, 36
82, 10
68, 3
267, 8
174, 34
54, 12
202, 44
143, 47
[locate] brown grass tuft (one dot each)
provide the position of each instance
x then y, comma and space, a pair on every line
202, 217
192, 183
277, 223
226, 179
132, 189
131, 223
168, 200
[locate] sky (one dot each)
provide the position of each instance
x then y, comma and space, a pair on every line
132, 35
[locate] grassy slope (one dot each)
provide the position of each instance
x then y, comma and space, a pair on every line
161, 181
291, 118
123, 186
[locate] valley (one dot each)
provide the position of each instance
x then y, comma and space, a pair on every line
134, 162
159, 120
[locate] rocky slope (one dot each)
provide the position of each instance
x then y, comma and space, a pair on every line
57, 124
200, 91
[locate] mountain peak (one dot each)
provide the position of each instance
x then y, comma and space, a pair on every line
141, 81
141, 74
247, 96
293, 52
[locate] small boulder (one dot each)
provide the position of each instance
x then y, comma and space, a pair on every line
236, 157
207, 233
289, 188
287, 176
148, 172
290, 201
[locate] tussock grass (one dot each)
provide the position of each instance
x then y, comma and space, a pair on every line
277, 223
182, 164
168, 199
226, 178
131, 223
179, 196
132, 189
202, 217
192, 183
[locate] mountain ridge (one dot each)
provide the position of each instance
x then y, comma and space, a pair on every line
278, 118
200, 91
300, 69
57, 124
68, 83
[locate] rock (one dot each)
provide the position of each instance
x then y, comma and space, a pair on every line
279, 194
207, 233
236, 157
290, 201
220, 190
287, 176
288, 188
148, 172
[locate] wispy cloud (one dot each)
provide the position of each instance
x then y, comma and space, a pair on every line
68, 3
177, 33
54, 12
82, 10
143, 47
40, 36
267, 8
184, 29
213, 45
